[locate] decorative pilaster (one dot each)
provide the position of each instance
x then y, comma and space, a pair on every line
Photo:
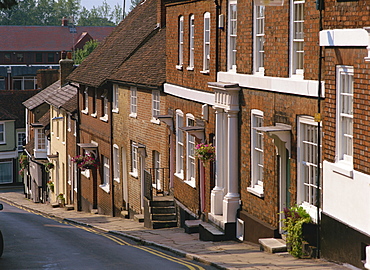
231, 199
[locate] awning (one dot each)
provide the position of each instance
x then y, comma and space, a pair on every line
195, 131
167, 119
280, 131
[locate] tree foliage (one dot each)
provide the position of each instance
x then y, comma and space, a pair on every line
51, 12
6, 4
81, 54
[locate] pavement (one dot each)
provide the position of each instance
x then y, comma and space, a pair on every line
222, 255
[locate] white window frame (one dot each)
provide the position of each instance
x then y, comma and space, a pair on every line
232, 35
156, 106
23, 79
191, 42
95, 103
259, 39
257, 154
105, 104
156, 170
116, 163
40, 136
20, 142
297, 38
134, 160
344, 112
206, 42
133, 102
106, 175
3, 133
86, 101
180, 43
307, 164
10, 164
115, 99
190, 156
179, 145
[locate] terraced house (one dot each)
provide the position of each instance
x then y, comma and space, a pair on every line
121, 93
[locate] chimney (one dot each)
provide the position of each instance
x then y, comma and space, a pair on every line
66, 67
161, 13
64, 21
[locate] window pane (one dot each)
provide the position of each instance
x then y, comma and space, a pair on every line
6, 172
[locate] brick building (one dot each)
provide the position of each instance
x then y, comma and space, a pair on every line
121, 93
346, 193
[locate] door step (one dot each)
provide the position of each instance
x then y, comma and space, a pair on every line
192, 226
208, 232
272, 245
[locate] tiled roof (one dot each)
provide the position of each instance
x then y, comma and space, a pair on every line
122, 43
46, 38
147, 65
54, 95
11, 105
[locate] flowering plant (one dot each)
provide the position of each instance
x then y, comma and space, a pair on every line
51, 185
86, 162
23, 161
205, 152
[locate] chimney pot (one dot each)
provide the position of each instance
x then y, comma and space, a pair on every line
64, 21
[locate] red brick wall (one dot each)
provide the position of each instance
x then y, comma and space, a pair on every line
351, 57
141, 130
184, 77
94, 129
277, 108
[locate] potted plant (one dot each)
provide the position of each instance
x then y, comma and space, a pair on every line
61, 199
294, 219
205, 152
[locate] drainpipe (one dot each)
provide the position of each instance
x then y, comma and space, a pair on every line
218, 8
79, 197
320, 7
111, 168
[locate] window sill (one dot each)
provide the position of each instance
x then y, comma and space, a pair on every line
104, 118
344, 168
105, 187
85, 111
116, 179
178, 67
115, 110
190, 183
179, 175
204, 71
86, 173
190, 68
94, 115
69, 130
256, 190
134, 174
155, 121
133, 115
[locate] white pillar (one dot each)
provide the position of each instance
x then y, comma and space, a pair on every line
231, 199
217, 193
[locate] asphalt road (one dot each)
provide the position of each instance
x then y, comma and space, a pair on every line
32, 241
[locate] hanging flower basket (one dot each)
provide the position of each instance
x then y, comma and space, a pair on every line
23, 161
48, 166
86, 162
51, 186
205, 152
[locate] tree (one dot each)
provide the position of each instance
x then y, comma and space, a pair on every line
7, 4
81, 54
134, 3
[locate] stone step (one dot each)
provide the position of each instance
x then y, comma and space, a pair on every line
163, 203
272, 245
69, 207
163, 210
157, 224
139, 218
192, 226
208, 232
164, 217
